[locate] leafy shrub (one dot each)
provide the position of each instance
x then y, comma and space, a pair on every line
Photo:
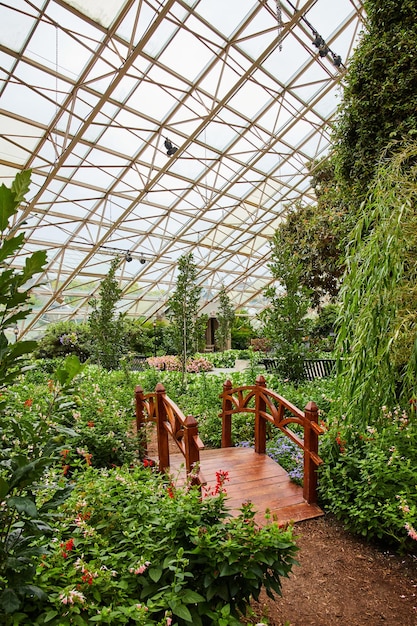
226, 358
63, 338
132, 548
368, 479
30, 443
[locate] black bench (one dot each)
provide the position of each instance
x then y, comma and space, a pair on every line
318, 368
138, 363
312, 368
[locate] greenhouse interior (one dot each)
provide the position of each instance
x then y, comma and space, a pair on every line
208, 337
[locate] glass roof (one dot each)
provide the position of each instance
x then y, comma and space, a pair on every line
161, 128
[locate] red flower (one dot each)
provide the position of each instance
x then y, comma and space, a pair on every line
65, 469
90, 424
170, 492
28, 402
69, 545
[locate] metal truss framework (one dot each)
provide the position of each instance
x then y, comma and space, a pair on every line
158, 128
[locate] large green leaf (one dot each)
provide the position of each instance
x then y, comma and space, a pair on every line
20, 185
34, 264
9, 601
7, 206
9, 246
23, 504
4, 488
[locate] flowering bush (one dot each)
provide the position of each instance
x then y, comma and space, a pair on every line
199, 364
369, 477
168, 363
173, 364
133, 548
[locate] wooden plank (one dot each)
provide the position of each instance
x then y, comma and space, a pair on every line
252, 477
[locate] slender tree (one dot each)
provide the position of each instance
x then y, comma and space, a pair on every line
107, 327
225, 318
284, 320
187, 327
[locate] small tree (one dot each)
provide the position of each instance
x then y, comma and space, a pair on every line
186, 326
284, 320
107, 328
225, 318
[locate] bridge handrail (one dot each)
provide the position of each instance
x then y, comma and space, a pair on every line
270, 407
171, 422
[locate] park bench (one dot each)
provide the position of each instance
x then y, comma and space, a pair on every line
312, 368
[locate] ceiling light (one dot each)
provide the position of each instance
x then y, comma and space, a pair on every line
128, 257
142, 261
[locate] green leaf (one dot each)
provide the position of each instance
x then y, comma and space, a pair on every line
9, 601
155, 573
49, 616
33, 591
23, 504
7, 206
58, 498
191, 597
4, 488
20, 185
180, 610
34, 264
9, 246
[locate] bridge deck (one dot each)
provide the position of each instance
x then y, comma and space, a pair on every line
253, 477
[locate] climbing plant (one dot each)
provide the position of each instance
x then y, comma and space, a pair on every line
379, 101
316, 233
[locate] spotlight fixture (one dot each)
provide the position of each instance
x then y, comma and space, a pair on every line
170, 148
128, 257
142, 261
337, 59
318, 40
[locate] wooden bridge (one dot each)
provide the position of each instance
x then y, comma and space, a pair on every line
252, 474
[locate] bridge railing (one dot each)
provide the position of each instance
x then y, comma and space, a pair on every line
171, 423
268, 406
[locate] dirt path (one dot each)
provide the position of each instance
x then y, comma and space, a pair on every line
342, 581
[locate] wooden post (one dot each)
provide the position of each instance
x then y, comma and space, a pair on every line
260, 422
140, 420
227, 416
311, 448
192, 453
163, 446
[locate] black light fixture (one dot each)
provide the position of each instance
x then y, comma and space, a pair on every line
171, 149
337, 59
128, 257
319, 42
142, 261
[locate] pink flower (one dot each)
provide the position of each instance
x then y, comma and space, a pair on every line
411, 532
141, 569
